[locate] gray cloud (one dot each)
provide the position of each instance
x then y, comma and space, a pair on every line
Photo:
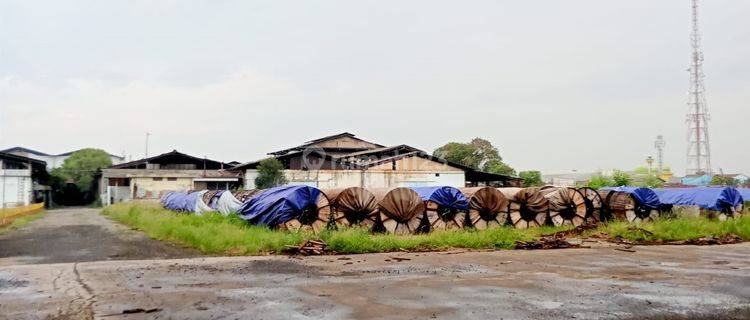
557, 85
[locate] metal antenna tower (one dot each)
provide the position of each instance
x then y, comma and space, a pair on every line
699, 150
659, 145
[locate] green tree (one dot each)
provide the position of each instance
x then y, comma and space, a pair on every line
621, 178
270, 174
531, 178
600, 181
79, 170
498, 167
721, 180
651, 181
478, 154
81, 167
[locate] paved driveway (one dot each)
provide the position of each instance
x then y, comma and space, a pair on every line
80, 235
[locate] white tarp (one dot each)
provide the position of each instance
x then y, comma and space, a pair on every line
227, 203
200, 206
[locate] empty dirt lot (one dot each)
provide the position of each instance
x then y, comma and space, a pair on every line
657, 282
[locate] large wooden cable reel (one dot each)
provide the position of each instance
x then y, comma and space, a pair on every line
442, 217
315, 217
245, 195
624, 206
731, 212
528, 207
401, 210
488, 207
353, 206
594, 204
567, 206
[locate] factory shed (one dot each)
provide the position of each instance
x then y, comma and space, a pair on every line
343, 160
148, 178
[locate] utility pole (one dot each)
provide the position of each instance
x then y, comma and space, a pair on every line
699, 150
147, 135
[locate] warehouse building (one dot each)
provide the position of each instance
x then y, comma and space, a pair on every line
52, 160
148, 178
344, 160
22, 181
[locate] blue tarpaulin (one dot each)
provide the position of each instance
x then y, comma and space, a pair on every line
645, 196
745, 193
180, 201
278, 205
445, 196
709, 198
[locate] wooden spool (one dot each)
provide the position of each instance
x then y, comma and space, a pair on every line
528, 207
314, 218
730, 212
488, 207
209, 195
443, 218
440, 217
401, 210
567, 206
593, 204
353, 206
244, 195
623, 206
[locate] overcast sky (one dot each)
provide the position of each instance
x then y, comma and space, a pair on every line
556, 85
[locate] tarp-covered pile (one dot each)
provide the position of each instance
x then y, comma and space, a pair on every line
726, 200
645, 196
444, 205
745, 193
291, 206
633, 204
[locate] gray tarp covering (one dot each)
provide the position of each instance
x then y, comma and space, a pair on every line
200, 206
227, 204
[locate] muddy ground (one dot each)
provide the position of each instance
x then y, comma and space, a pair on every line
79, 235
655, 282
602, 282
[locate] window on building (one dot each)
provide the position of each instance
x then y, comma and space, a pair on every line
119, 182
172, 179
158, 179
437, 174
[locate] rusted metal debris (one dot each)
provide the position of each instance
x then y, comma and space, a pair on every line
308, 248
709, 241
546, 243
705, 241
556, 240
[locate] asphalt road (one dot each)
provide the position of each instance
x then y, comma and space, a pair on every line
80, 235
656, 282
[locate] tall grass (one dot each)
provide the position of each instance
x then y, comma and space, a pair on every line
210, 233
217, 234
679, 229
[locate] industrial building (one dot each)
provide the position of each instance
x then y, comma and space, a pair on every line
53, 160
344, 160
147, 178
22, 181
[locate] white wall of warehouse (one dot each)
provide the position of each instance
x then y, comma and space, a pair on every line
15, 188
328, 179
